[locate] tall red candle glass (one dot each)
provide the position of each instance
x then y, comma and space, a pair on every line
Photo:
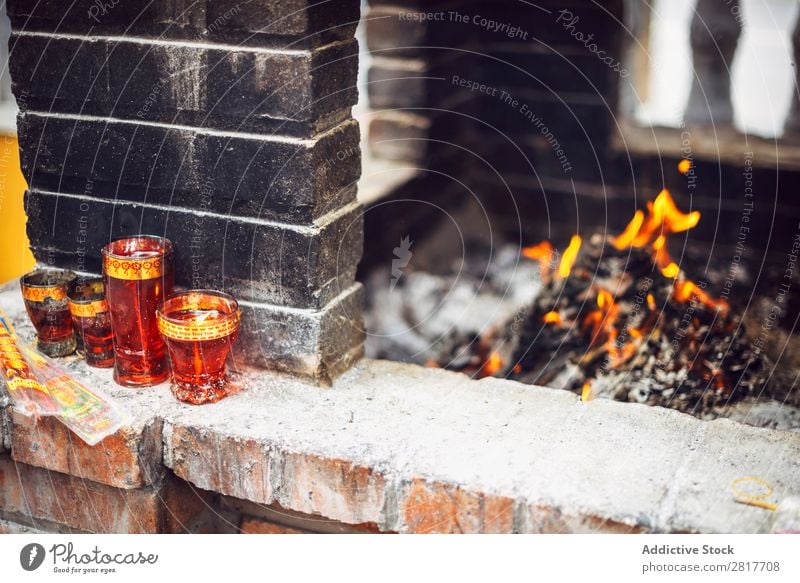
199, 327
138, 275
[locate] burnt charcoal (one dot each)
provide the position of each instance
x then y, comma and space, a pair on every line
645, 344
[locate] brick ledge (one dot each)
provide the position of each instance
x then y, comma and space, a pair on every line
420, 450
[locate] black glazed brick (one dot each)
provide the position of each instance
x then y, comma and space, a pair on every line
297, 23
259, 261
437, 142
402, 32
319, 345
264, 90
576, 121
416, 82
547, 70
295, 181
569, 24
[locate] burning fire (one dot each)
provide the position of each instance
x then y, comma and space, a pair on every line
569, 257
491, 366
543, 253
552, 317
603, 319
648, 230
685, 291
663, 218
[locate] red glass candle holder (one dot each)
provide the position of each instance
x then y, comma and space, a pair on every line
199, 327
45, 295
92, 320
138, 275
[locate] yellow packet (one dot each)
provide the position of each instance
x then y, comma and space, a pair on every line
39, 386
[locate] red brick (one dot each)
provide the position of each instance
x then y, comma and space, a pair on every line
130, 458
11, 527
334, 488
547, 520
235, 467
252, 525
43, 495
432, 507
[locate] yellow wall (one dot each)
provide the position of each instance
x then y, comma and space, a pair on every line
15, 256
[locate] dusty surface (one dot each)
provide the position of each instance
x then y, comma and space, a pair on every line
414, 449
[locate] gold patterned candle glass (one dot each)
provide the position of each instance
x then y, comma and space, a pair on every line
199, 327
92, 320
45, 295
138, 275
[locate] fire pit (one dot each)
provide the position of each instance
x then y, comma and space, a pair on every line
608, 317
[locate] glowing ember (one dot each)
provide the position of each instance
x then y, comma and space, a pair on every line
543, 253
684, 166
570, 254
603, 319
586, 392
651, 302
686, 290
491, 366
671, 271
604, 299
552, 318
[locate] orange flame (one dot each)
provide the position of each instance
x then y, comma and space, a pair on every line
491, 366
671, 271
552, 318
586, 391
684, 166
625, 239
603, 318
543, 253
663, 217
686, 290
651, 302
570, 254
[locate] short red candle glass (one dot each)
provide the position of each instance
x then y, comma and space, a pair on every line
199, 327
138, 275
92, 320
45, 295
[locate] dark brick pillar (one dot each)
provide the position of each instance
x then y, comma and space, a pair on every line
223, 125
416, 48
529, 91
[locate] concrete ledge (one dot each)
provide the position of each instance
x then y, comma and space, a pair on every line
420, 450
